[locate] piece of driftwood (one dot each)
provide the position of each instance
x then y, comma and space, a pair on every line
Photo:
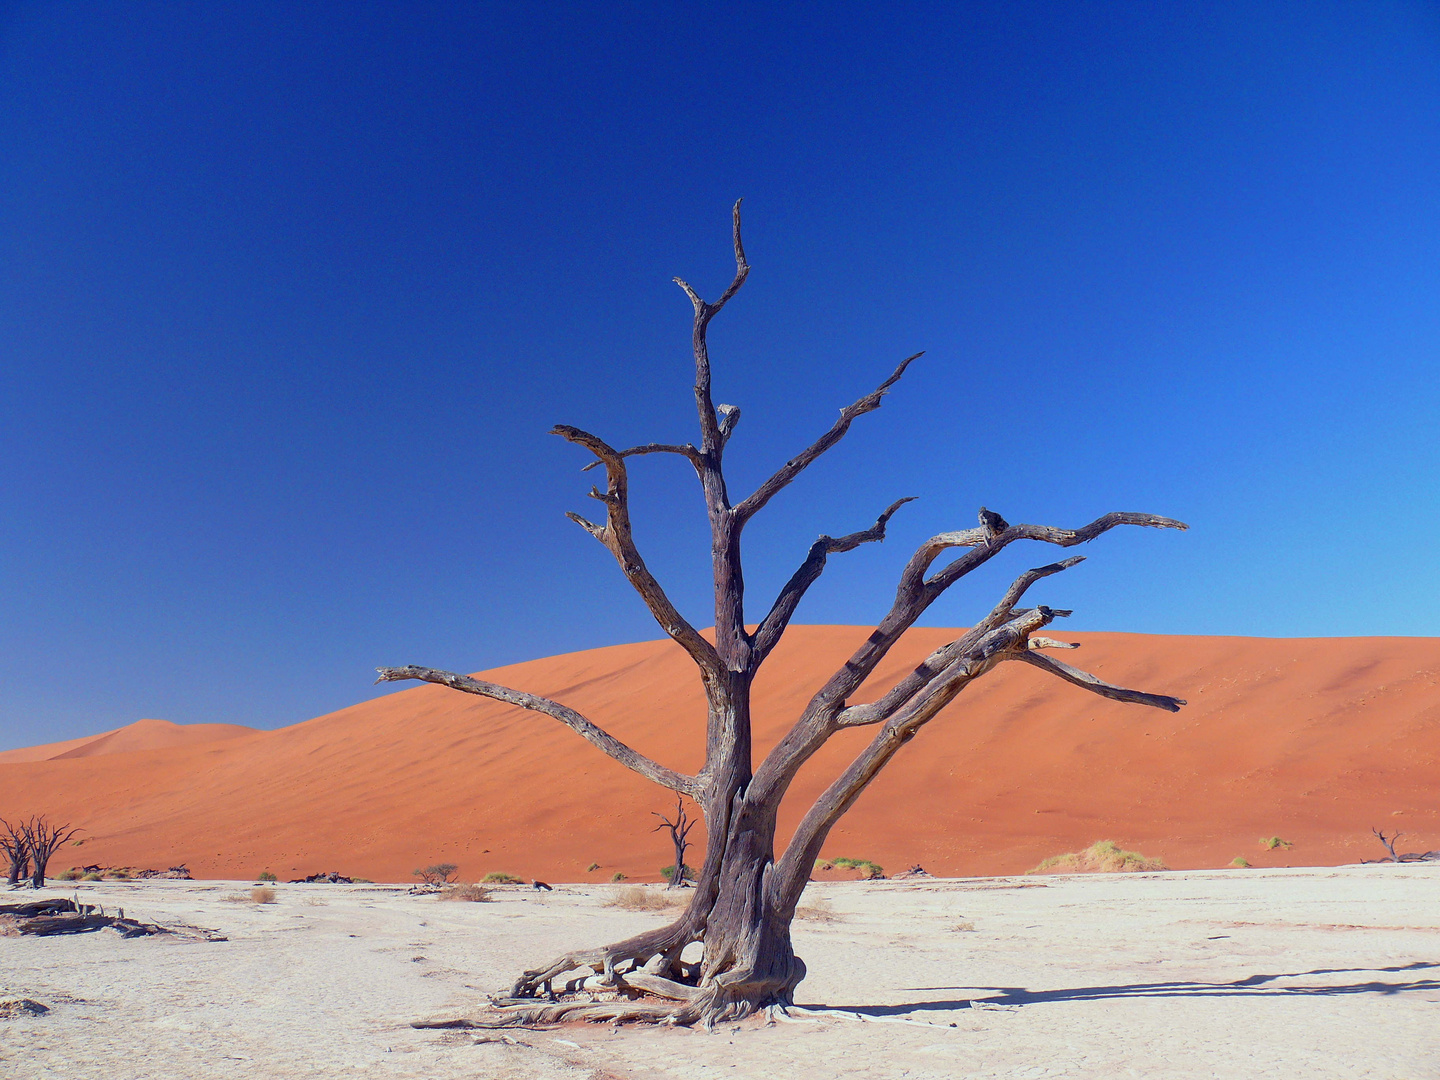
745, 892
334, 877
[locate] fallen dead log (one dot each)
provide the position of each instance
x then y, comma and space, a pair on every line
54, 906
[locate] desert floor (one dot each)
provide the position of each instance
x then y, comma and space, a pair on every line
1312, 973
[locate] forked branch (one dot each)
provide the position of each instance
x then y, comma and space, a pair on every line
617, 537
593, 733
712, 437
796, 465
770, 630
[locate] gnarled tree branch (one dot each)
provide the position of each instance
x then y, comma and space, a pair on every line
773, 626
712, 439
593, 733
796, 465
1089, 682
616, 535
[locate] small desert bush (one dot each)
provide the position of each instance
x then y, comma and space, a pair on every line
668, 873
964, 926
1270, 843
499, 877
437, 873
120, 874
1101, 857
1240, 862
592, 868
361, 881
617, 876
262, 895
265, 875
639, 898
91, 875
68, 875
475, 894
872, 870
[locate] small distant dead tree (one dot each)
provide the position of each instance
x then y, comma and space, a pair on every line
745, 895
15, 848
1388, 841
679, 829
42, 839
437, 873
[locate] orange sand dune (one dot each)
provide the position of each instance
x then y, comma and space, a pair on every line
1314, 740
141, 735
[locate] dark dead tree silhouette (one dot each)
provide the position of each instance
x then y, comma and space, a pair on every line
42, 839
15, 848
679, 829
1389, 842
745, 894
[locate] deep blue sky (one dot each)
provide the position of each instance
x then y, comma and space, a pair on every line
291, 293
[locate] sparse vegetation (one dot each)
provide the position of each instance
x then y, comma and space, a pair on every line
91, 875
872, 870
592, 868
474, 894
668, 873
121, 873
1101, 857
1270, 843
499, 877
1240, 862
361, 881
262, 895
437, 873
265, 875
68, 875
639, 898
617, 877
964, 926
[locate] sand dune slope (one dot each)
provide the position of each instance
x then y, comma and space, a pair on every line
141, 735
1312, 740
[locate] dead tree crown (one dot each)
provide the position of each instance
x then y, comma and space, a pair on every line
745, 895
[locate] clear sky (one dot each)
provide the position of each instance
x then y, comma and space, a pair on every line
290, 295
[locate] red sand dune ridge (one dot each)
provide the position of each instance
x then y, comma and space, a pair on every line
141, 735
1313, 740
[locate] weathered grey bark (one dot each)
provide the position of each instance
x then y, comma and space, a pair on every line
745, 895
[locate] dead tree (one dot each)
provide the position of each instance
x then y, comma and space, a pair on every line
679, 829
15, 848
1388, 841
745, 893
42, 839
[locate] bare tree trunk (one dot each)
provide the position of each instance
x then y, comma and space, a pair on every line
745, 897
42, 839
15, 847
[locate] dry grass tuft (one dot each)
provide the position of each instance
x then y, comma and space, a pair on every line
964, 926
475, 894
639, 898
262, 895
1101, 857
499, 877
818, 910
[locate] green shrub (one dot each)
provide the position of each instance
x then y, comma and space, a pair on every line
686, 874
1240, 862
499, 877
437, 873
120, 874
592, 868
91, 875
1270, 843
266, 875
617, 876
68, 875
872, 870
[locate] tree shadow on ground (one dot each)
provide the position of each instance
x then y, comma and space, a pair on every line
1254, 985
